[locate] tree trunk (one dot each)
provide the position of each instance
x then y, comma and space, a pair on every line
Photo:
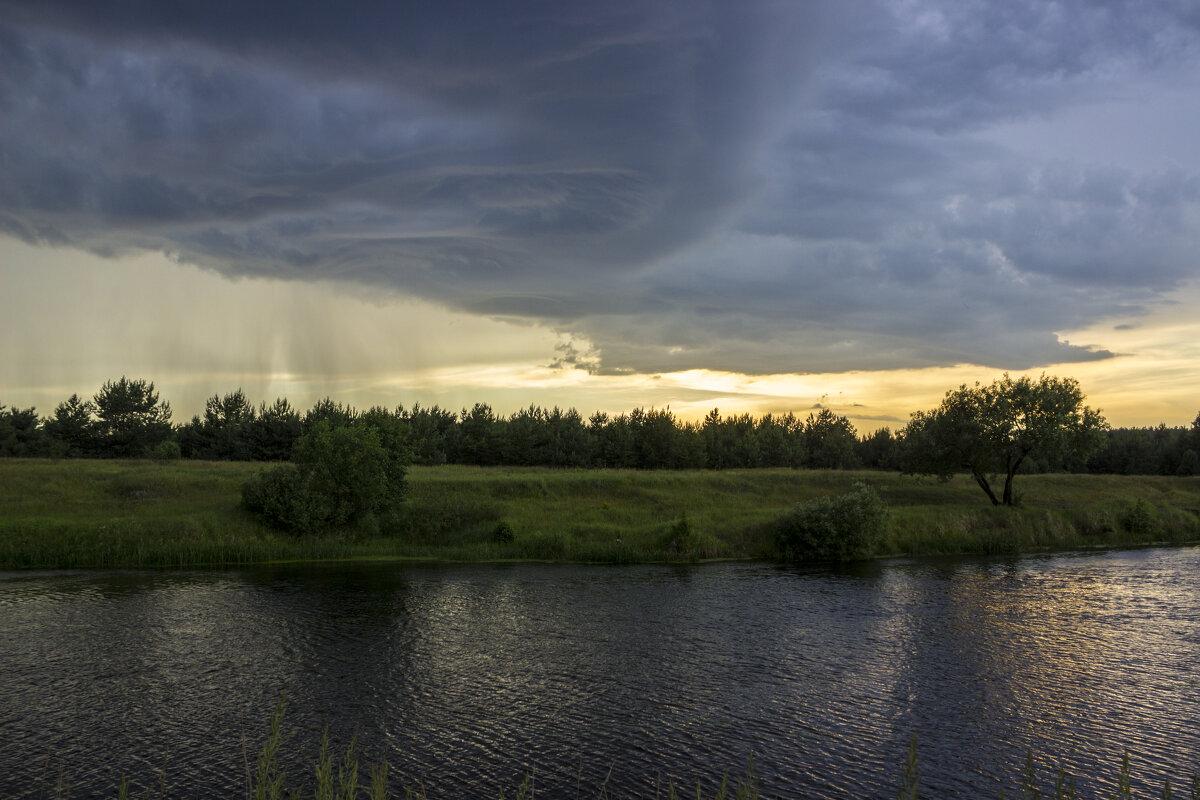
981, 479
1008, 481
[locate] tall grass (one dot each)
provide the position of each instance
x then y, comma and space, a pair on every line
150, 514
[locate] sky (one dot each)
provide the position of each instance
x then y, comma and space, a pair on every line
754, 206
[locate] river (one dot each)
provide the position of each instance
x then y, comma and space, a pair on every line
465, 679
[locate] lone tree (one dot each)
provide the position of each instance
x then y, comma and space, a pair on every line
991, 430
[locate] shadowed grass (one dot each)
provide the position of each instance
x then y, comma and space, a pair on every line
147, 514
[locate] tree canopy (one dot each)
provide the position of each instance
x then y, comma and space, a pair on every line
125, 419
73, 427
131, 417
992, 430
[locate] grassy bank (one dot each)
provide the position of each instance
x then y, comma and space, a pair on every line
142, 513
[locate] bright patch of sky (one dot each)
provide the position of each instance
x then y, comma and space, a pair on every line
205, 334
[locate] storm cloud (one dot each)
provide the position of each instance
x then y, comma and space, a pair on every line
756, 187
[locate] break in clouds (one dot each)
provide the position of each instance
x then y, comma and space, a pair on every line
757, 186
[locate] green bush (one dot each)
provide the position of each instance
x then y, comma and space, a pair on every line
682, 538
341, 475
1138, 517
503, 533
345, 468
833, 529
281, 496
165, 451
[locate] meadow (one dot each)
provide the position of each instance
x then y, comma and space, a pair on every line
140, 513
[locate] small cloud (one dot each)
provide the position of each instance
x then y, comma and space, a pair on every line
879, 417
573, 358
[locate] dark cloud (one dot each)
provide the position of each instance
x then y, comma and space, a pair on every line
755, 187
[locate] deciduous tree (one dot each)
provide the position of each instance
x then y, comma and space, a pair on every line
992, 430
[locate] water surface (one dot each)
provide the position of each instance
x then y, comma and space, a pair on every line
468, 678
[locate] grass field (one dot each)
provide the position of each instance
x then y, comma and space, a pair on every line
143, 513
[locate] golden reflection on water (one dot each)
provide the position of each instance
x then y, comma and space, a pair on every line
1037, 655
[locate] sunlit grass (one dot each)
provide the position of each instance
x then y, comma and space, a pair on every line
147, 514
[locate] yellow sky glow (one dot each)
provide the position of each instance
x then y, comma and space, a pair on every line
70, 321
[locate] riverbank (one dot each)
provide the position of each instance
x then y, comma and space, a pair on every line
59, 514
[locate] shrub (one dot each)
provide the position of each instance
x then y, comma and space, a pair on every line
503, 533
282, 498
1139, 517
345, 468
165, 451
341, 475
683, 538
829, 529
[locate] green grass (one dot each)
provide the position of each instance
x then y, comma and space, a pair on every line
148, 514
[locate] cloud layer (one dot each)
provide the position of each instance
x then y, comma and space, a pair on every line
752, 187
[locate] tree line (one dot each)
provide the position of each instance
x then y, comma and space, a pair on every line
126, 418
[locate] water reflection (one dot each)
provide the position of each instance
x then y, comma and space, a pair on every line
467, 678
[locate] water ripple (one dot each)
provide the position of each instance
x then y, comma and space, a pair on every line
467, 679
